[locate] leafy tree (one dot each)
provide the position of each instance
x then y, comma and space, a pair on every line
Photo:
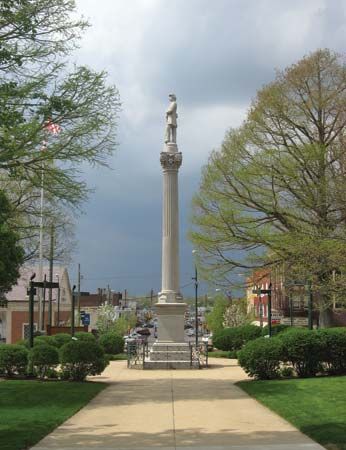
11, 254
33, 31
107, 321
274, 194
38, 89
236, 314
215, 319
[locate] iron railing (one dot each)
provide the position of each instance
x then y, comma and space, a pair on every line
199, 355
138, 353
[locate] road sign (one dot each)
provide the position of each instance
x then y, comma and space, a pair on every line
86, 319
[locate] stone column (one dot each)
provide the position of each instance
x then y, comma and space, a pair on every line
171, 161
170, 308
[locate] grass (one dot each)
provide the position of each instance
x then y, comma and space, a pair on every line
222, 354
117, 357
316, 406
29, 410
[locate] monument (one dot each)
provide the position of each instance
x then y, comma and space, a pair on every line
170, 351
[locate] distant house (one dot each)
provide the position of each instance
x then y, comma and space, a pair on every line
89, 303
14, 313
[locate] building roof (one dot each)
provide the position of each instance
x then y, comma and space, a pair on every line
19, 291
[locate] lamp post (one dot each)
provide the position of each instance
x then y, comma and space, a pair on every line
32, 291
195, 278
72, 310
270, 310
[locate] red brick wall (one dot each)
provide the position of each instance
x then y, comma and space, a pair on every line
18, 318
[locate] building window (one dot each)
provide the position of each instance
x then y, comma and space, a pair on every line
26, 330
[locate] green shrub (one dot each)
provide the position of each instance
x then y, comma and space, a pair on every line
46, 340
303, 349
261, 358
112, 343
23, 342
276, 329
43, 357
233, 339
287, 372
81, 358
85, 337
61, 339
334, 350
13, 359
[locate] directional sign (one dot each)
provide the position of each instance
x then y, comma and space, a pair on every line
47, 284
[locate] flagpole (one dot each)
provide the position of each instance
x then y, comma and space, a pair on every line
53, 128
40, 269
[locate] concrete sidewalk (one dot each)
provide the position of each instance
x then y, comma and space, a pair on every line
171, 410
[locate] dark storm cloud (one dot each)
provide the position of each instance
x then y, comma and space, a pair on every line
214, 55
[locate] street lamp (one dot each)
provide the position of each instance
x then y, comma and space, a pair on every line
58, 314
195, 278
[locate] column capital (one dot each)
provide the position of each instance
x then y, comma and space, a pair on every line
171, 161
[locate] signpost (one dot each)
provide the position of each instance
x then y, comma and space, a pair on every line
32, 292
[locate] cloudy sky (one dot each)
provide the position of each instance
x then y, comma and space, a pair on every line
214, 55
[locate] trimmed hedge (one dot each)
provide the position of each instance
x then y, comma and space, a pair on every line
303, 349
112, 343
276, 329
61, 339
308, 352
44, 358
230, 339
13, 360
333, 350
85, 337
45, 340
81, 358
261, 358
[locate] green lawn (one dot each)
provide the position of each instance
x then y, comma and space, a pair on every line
316, 406
29, 410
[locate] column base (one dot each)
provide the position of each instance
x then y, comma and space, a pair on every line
171, 318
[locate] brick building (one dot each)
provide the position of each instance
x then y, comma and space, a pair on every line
289, 300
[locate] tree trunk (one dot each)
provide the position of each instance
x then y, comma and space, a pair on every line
326, 318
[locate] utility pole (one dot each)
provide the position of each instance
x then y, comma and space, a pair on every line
78, 295
51, 257
151, 298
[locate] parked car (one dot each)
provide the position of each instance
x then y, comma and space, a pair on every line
144, 332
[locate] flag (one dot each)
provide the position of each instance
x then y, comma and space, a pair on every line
52, 127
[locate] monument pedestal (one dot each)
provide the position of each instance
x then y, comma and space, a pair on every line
170, 355
170, 322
